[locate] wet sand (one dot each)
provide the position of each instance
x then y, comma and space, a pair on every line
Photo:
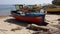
8, 23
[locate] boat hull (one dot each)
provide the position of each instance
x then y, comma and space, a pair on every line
37, 20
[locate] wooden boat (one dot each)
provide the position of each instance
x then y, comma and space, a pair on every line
34, 17
53, 10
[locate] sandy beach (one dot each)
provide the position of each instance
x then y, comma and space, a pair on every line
7, 24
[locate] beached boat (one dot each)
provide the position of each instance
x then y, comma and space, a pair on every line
28, 14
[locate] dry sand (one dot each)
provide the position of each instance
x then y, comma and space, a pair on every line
9, 24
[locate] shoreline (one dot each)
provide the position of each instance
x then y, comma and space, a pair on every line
5, 16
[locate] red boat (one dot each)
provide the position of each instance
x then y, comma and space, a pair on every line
30, 17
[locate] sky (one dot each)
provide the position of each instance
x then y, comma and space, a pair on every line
25, 2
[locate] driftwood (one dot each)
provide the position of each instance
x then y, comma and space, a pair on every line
17, 28
43, 29
36, 27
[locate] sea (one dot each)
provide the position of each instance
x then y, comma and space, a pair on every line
6, 9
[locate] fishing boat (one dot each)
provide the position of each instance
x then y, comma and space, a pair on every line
29, 14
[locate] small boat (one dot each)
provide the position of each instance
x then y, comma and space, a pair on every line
53, 10
28, 14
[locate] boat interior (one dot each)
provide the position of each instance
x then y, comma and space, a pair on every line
29, 10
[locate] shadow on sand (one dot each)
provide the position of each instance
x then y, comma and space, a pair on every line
22, 23
17, 22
